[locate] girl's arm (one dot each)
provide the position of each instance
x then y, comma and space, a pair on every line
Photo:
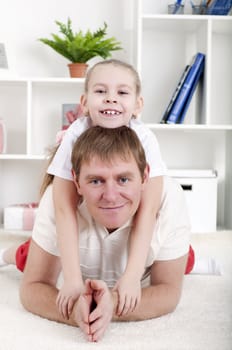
66, 199
140, 238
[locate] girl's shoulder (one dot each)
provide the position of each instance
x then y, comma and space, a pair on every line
79, 126
141, 129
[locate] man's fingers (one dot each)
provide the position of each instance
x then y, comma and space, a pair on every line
95, 314
97, 285
85, 328
98, 328
86, 308
82, 313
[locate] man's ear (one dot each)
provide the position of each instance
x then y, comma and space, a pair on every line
146, 174
83, 101
138, 106
75, 180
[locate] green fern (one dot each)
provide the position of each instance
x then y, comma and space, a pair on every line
81, 47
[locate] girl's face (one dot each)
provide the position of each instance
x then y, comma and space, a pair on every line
111, 99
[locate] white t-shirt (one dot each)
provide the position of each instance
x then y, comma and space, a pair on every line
61, 164
103, 255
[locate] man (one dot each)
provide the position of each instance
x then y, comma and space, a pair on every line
110, 173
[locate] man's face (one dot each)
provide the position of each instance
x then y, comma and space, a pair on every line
112, 191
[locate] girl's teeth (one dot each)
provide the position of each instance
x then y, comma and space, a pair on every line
111, 112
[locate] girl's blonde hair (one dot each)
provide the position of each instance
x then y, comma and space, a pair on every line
48, 178
116, 63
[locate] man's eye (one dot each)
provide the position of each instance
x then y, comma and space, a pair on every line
123, 180
95, 181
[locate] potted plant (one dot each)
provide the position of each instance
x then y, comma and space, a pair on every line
80, 47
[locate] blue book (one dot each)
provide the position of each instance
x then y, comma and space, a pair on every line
187, 89
175, 94
219, 7
199, 74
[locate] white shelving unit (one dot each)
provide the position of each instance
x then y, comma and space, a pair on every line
32, 113
165, 44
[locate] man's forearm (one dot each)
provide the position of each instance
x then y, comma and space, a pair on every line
156, 301
40, 299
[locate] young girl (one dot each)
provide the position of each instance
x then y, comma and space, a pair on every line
111, 99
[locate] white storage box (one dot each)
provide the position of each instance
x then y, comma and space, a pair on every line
200, 188
20, 216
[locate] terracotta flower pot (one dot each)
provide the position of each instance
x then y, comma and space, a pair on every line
77, 70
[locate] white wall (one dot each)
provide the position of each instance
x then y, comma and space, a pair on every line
22, 22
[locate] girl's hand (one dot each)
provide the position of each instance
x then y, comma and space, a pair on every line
129, 294
67, 296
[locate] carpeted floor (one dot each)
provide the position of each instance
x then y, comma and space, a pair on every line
202, 320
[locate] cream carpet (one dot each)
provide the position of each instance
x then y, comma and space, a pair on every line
202, 320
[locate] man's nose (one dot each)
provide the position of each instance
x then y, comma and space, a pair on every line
110, 192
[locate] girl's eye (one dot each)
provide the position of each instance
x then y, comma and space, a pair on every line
123, 92
100, 91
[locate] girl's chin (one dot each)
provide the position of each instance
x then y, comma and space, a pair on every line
111, 122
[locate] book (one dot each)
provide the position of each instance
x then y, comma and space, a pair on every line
189, 98
184, 97
175, 94
219, 7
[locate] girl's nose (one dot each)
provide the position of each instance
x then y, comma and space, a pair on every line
110, 99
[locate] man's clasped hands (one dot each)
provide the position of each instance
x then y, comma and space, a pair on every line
94, 309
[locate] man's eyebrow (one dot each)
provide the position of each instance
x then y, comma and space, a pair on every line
93, 176
120, 174
126, 174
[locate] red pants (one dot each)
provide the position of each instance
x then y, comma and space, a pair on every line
191, 260
21, 255
22, 251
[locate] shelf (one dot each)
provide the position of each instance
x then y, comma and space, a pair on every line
183, 17
168, 22
190, 127
59, 80
22, 157
165, 45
